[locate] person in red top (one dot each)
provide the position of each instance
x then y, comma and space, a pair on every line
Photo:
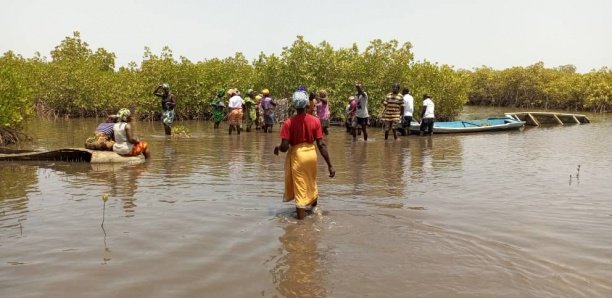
298, 136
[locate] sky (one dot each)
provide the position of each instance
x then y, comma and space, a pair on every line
465, 34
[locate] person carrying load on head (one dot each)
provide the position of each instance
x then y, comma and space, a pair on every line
268, 105
168, 103
235, 105
323, 111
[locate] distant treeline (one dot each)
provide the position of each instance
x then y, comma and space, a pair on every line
538, 87
77, 81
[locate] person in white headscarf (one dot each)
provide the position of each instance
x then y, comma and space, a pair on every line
125, 141
298, 135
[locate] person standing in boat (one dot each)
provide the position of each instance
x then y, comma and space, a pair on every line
125, 141
360, 121
392, 111
235, 116
427, 116
168, 103
408, 110
298, 135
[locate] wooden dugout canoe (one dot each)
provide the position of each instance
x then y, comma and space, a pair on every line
69, 155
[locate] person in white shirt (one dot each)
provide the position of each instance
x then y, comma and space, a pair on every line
408, 110
235, 105
427, 116
361, 114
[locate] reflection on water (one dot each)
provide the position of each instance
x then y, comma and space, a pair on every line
298, 273
122, 181
15, 183
450, 215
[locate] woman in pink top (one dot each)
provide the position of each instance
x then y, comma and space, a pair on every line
323, 111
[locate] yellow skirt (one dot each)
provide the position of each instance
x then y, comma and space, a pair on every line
301, 175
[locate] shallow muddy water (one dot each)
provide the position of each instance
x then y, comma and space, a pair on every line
505, 214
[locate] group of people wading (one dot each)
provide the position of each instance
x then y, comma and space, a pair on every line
254, 109
300, 134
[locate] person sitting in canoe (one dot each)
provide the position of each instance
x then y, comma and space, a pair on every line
125, 142
103, 138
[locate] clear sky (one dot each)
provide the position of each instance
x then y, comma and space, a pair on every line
466, 34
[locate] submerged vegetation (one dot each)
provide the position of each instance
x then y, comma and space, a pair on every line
79, 82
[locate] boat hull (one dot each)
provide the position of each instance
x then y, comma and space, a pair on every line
69, 155
468, 126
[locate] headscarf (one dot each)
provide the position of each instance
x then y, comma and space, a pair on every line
265, 92
123, 114
300, 100
322, 94
165, 86
220, 92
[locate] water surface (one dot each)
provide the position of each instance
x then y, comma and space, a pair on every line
475, 215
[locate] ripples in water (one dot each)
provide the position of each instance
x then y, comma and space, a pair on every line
465, 215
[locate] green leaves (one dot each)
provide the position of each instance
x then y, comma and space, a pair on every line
14, 90
78, 81
537, 86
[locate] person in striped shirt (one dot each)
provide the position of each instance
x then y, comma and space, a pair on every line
392, 111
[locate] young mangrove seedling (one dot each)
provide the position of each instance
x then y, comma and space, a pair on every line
104, 199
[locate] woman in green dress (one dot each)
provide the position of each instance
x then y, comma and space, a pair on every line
218, 107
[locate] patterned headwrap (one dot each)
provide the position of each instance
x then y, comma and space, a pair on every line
300, 100
123, 114
322, 94
221, 92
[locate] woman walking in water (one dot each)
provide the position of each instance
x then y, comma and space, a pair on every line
298, 136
